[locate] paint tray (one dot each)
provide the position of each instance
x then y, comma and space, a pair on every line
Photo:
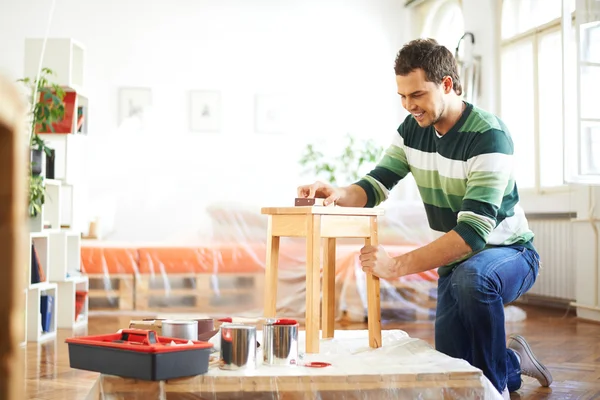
139, 354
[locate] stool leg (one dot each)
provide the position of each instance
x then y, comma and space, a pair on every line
373, 300
271, 265
328, 306
313, 282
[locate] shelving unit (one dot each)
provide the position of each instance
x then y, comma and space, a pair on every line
54, 234
64, 56
35, 296
49, 218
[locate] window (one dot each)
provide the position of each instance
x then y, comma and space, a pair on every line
583, 141
445, 23
532, 88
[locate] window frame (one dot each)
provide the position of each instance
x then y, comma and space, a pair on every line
573, 153
435, 15
534, 35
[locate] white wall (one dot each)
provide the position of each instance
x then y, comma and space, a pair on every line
333, 58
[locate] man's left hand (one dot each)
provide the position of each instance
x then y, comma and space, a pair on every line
375, 260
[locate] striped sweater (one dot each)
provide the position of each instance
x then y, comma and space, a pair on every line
465, 179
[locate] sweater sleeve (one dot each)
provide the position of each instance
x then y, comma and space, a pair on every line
489, 179
392, 167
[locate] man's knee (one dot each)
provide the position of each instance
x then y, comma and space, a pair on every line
469, 283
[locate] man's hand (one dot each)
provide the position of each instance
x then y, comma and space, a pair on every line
320, 190
376, 261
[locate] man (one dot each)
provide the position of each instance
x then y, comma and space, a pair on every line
462, 160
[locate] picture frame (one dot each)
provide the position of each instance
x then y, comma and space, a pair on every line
271, 113
133, 101
205, 111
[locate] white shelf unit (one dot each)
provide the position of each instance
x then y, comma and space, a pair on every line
68, 167
51, 209
67, 299
35, 295
64, 56
39, 241
59, 248
65, 271
65, 255
69, 150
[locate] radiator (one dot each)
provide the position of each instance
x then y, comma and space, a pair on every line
553, 240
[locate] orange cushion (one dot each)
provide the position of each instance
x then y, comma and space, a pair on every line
232, 258
109, 260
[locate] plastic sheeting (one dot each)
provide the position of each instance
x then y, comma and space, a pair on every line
403, 368
224, 273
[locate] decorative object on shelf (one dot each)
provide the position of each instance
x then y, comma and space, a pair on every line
205, 111
47, 108
133, 102
347, 166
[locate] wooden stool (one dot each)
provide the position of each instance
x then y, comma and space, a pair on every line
315, 223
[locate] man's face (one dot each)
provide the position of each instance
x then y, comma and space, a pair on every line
423, 99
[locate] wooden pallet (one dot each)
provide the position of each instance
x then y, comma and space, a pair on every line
200, 292
111, 292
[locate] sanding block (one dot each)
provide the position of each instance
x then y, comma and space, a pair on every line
301, 201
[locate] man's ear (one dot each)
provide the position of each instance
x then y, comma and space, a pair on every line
447, 84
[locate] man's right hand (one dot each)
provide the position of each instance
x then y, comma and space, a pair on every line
321, 190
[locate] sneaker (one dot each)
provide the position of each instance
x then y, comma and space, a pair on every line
530, 366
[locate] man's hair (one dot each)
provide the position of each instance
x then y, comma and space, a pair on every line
434, 59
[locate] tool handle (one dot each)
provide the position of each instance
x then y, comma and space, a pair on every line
148, 335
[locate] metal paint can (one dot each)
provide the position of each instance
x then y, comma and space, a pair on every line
180, 328
280, 343
238, 347
205, 325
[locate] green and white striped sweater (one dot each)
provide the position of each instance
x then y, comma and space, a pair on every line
465, 179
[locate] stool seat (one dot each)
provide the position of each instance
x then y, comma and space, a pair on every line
321, 226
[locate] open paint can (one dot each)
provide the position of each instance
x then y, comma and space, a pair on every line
280, 342
238, 347
183, 329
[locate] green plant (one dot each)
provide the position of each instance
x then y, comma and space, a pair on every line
47, 107
45, 111
347, 167
37, 194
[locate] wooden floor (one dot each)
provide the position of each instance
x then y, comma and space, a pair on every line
568, 346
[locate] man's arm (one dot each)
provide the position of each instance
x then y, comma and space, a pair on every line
488, 180
446, 249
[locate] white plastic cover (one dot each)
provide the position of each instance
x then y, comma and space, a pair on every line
224, 273
403, 368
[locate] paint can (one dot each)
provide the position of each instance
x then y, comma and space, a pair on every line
238, 347
180, 328
205, 325
280, 343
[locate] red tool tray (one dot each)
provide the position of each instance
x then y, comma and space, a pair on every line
139, 354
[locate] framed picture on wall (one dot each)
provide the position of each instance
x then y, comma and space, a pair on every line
271, 113
205, 111
133, 101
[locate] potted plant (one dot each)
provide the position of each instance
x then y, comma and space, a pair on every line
47, 108
347, 167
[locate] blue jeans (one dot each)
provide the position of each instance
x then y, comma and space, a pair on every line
470, 310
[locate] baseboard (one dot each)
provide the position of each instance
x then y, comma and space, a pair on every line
544, 301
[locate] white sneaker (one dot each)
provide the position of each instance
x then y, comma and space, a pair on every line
530, 365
